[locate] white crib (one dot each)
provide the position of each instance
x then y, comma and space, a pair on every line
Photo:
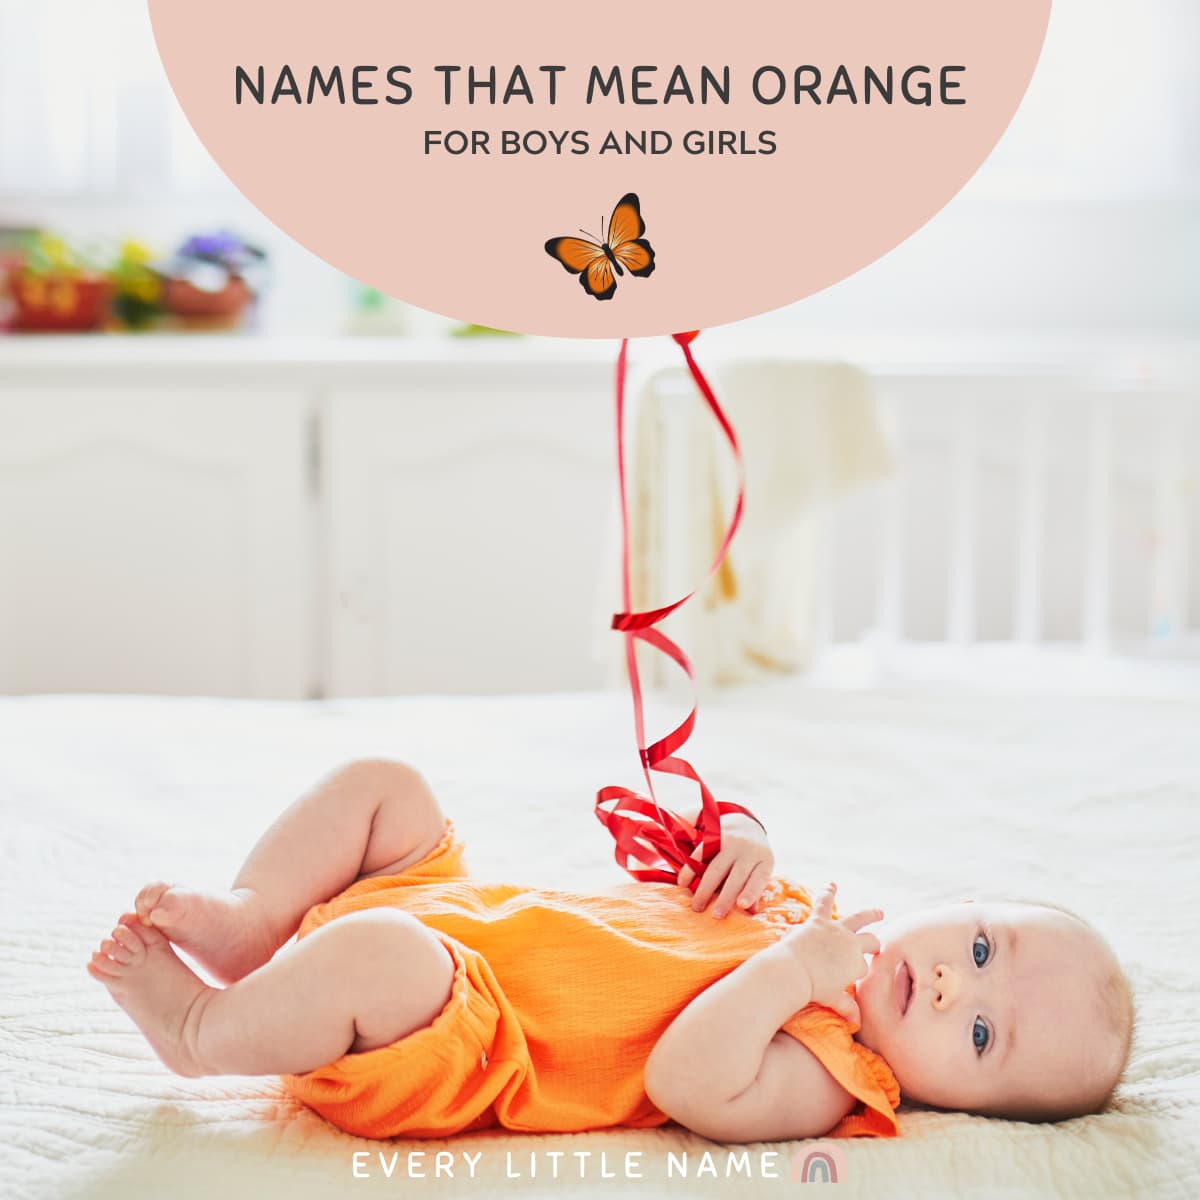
1027, 509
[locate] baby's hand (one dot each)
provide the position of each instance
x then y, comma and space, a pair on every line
832, 952
741, 869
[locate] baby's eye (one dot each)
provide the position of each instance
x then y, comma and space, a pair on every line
980, 1036
981, 950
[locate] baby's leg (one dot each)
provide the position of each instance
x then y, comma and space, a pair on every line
368, 818
362, 981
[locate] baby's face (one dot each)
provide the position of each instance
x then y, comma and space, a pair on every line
988, 1006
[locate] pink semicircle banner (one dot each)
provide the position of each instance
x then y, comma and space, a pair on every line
472, 158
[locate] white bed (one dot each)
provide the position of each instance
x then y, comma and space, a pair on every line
904, 795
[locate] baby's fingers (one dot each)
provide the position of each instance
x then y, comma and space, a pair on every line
868, 943
687, 873
755, 885
714, 876
866, 916
847, 1007
825, 902
736, 881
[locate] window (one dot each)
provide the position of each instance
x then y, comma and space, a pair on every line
1113, 109
85, 108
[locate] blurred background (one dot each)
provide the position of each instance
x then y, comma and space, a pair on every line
226, 468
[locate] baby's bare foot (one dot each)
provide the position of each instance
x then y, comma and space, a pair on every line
146, 978
227, 932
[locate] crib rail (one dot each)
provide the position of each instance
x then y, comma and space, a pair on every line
1023, 508
1123, 467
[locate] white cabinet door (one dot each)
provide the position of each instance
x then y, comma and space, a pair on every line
468, 530
154, 539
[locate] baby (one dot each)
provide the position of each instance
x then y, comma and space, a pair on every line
418, 1001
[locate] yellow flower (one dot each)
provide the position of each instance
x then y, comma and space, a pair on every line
147, 288
135, 252
56, 252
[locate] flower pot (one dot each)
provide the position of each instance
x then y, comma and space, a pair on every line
59, 303
220, 308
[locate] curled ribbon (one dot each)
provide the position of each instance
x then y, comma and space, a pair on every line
643, 830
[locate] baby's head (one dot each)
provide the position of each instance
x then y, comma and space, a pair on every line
1003, 1008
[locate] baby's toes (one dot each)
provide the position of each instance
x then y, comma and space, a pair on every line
102, 968
148, 898
103, 961
114, 950
131, 923
129, 942
145, 935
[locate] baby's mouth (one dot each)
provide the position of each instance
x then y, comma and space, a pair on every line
903, 986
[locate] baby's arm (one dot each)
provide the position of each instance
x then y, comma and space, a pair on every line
723, 1067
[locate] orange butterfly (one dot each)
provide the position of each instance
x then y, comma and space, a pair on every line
595, 262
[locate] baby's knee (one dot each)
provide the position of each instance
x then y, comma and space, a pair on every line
396, 973
377, 929
389, 945
382, 777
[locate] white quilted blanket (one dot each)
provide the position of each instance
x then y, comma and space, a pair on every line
904, 797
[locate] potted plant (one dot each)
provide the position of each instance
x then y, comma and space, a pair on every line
138, 288
212, 278
57, 288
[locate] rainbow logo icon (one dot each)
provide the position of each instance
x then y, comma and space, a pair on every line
822, 1162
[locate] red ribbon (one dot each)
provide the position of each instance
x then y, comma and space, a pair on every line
655, 836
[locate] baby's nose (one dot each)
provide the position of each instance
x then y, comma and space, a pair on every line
945, 985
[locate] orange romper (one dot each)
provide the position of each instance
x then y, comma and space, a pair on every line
557, 1001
